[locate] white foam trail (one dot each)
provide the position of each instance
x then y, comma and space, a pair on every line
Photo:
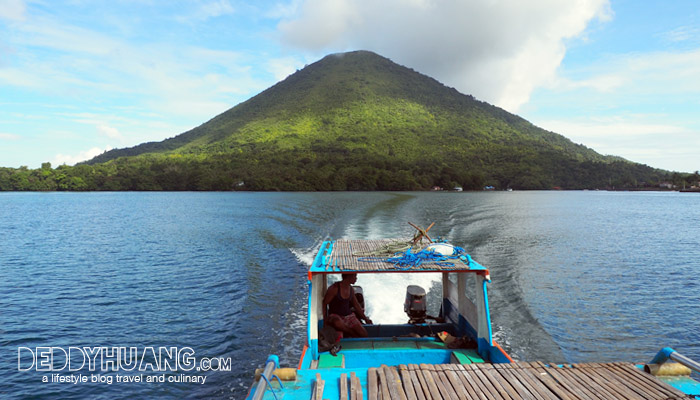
385, 294
306, 256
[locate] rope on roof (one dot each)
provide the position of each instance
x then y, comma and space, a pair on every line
413, 260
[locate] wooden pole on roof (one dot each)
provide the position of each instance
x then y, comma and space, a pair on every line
422, 233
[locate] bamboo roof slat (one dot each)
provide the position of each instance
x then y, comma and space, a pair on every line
346, 255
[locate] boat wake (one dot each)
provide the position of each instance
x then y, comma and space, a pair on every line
306, 255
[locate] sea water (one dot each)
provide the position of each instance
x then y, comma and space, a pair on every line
198, 288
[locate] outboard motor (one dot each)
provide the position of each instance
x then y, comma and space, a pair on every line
415, 305
359, 295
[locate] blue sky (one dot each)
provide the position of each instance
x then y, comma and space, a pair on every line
80, 77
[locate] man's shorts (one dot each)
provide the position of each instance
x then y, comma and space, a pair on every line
349, 320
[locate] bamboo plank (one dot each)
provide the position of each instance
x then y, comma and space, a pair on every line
489, 383
544, 377
503, 387
483, 382
619, 382
449, 390
419, 382
499, 371
475, 382
383, 384
526, 377
355, 380
344, 386
583, 388
391, 383
459, 387
517, 381
341, 258
597, 387
430, 382
346, 255
430, 369
646, 389
372, 384
663, 386
353, 388
469, 384
407, 383
399, 386
523, 391
487, 371
573, 387
642, 388
608, 390
318, 390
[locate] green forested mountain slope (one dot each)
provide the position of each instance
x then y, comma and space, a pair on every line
358, 121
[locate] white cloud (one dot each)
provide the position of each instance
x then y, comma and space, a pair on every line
284, 9
20, 78
606, 83
207, 10
646, 139
644, 105
61, 159
611, 127
8, 136
110, 131
216, 9
80, 63
682, 34
653, 74
12, 10
497, 51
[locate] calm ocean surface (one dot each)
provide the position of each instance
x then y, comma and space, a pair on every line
577, 276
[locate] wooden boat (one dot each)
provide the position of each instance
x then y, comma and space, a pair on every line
452, 357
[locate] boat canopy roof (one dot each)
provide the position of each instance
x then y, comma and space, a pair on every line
381, 255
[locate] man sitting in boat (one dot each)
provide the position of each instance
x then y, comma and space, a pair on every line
338, 306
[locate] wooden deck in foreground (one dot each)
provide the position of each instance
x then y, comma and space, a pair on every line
532, 381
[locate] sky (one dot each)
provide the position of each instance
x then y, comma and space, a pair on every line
78, 77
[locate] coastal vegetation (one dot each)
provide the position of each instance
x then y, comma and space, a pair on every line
354, 121
331, 171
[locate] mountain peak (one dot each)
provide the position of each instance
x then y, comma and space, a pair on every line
357, 120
